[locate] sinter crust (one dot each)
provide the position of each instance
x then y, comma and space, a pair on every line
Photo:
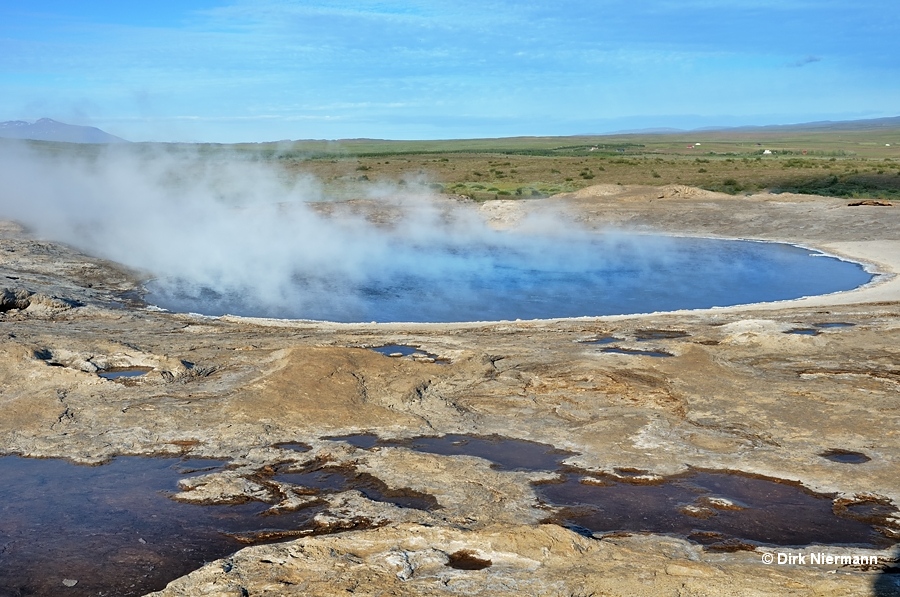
738, 394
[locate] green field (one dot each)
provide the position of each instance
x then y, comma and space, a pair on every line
840, 160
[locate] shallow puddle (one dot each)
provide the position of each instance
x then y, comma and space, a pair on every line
636, 352
366, 441
803, 331
395, 350
113, 528
647, 335
505, 453
834, 324
332, 479
845, 456
295, 446
720, 509
723, 510
402, 350
123, 372
603, 340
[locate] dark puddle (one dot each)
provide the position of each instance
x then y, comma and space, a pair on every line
402, 350
295, 446
647, 335
803, 331
634, 351
123, 372
395, 350
320, 478
366, 441
113, 527
466, 559
603, 340
721, 510
845, 456
505, 453
815, 330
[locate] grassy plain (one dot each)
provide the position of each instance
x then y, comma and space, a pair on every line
846, 163
843, 159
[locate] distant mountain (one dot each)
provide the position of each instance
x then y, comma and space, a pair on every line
869, 124
46, 129
663, 130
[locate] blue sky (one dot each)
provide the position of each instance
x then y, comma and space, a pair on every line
264, 70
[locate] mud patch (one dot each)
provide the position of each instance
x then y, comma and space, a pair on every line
721, 510
466, 559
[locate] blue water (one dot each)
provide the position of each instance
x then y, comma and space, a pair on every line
522, 278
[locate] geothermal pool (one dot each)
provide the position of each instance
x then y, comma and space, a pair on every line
514, 276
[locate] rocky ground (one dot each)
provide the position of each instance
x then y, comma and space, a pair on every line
737, 394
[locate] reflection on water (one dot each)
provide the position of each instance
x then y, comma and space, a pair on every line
123, 372
402, 350
330, 479
505, 453
845, 456
723, 510
113, 528
634, 351
720, 509
515, 276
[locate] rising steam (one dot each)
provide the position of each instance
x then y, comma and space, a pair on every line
218, 234
223, 235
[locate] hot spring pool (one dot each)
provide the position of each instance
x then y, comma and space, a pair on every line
513, 276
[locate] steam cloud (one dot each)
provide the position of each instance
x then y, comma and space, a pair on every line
220, 234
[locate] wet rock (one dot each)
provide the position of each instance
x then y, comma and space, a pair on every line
228, 487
